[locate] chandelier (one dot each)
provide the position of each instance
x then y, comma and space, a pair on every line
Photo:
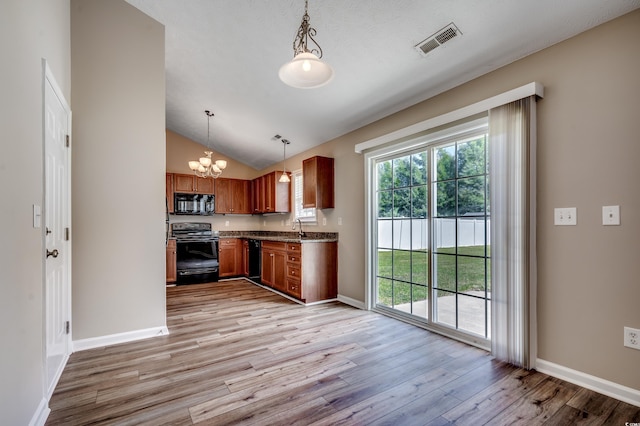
205, 167
306, 70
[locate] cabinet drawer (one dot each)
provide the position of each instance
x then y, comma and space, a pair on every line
293, 247
294, 271
228, 241
293, 258
274, 245
294, 288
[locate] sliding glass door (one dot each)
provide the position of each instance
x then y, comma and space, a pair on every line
432, 234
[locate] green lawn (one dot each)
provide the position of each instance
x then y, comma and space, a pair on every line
403, 274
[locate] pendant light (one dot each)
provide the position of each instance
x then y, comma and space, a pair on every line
306, 70
284, 178
205, 167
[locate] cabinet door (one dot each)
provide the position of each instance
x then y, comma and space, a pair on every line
280, 270
171, 261
223, 198
169, 189
184, 183
241, 196
228, 257
269, 193
257, 189
266, 274
204, 185
318, 183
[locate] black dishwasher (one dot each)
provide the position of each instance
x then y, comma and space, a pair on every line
254, 260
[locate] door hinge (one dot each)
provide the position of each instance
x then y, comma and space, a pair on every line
67, 141
67, 325
66, 234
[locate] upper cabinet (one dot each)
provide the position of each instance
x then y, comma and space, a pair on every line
270, 195
233, 196
192, 184
318, 182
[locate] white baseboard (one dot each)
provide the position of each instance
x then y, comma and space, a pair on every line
351, 302
596, 384
42, 412
114, 339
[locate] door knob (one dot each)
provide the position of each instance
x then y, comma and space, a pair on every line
53, 253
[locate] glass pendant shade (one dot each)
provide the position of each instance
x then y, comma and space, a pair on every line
194, 165
205, 161
221, 164
306, 71
284, 178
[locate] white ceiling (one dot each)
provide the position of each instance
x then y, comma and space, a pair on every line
224, 55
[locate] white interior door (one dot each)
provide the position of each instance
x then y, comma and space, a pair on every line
57, 227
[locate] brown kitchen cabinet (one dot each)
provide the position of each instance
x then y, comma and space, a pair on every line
311, 271
230, 257
318, 183
192, 184
270, 195
170, 191
233, 196
172, 274
274, 256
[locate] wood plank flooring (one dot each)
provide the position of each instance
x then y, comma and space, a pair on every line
239, 354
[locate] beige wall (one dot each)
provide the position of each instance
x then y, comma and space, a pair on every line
588, 127
29, 31
118, 102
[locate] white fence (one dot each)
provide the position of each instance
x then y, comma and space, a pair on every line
413, 234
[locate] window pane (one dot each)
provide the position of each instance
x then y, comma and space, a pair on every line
419, 234
419, 168
385, 204
445, 272
471, 275
402, 234
445, 199
385, 233
402, 296
445, 235
471, 236
385, 175
401, 171
420, 267
471, 314
419, 295
402, 265
419, 201
445, 162
402, 203
446, 308
471, 158
384, 263
471, 196
385, 292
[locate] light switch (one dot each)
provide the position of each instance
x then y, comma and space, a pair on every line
565, 216
611, 215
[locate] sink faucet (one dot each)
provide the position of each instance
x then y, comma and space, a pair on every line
301, 233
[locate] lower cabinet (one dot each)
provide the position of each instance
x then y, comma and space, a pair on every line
306, 271
274, 257
172, 274
230, 257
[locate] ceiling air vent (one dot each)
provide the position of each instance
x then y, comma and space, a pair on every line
439, 38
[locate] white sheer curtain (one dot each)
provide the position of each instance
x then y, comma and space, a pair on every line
513, 251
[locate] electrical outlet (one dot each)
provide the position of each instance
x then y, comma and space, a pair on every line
632, 338
324, 221
565, 216
226, 223
340, 221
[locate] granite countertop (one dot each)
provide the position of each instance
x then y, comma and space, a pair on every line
285, 237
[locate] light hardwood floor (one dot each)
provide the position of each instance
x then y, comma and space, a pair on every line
240, 354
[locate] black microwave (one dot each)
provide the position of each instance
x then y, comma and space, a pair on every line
194, 204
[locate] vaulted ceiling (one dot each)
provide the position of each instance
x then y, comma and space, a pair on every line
224, 55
